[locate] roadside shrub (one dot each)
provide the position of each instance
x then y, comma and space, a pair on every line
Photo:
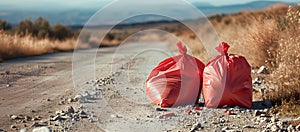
4, 25
42, 29
61, 32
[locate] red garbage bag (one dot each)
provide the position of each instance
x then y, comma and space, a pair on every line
227, 80
176, 80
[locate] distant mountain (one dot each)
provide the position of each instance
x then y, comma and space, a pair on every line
202, 4
80, 16
256, 5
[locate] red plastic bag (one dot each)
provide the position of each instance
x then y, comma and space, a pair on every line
176, 80
227, 80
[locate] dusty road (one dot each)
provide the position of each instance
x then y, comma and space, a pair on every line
39, 92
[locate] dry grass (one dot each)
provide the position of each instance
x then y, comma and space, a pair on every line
270, 38
15, 46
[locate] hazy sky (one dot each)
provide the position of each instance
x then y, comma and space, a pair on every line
86, 3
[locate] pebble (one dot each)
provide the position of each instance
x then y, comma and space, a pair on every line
248, 126
41, 129
57, 118
222, 120
160, 109
23, 130
13, 127
7, 72
70, 110
262, 70
270, 125
70, 100
14, 117
273, 119
257, 113
274, 128
297, 128
196, 127
290, 128
225, 128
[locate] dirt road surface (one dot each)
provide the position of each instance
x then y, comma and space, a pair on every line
39, 92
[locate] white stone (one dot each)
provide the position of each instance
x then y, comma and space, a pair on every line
23, 130
262, 69
274, 128
13, 117
290, 128
41, 129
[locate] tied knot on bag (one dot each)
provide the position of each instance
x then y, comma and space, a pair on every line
182, 49
223, 48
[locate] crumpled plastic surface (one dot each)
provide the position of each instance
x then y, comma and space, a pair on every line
176, 80
227, 80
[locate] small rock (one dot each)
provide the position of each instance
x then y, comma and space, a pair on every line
160, 109
113, 116
36, 124
41, 129
273, 119
248, 126
13, 127
8, 85
274, 128
222, 120
290, 128
262, 70
195, 127
263, 115
23, 130
297, 128
27, 118
70, 110
14, 117
280, 124
270, 125
81, 112
264, 119
48, 99
225, 128
34, 119
7, 72
257, 113
59, 112
61, 102
57, 118
85, 116
70, 100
